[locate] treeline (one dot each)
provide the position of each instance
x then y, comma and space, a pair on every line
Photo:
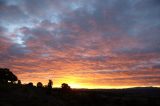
9, 79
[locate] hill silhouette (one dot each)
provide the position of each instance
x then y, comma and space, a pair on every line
13, 93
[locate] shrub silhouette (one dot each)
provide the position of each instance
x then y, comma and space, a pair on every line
39, 85
65, 87
30, 85
7, 76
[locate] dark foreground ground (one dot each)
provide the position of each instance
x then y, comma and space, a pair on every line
26, 96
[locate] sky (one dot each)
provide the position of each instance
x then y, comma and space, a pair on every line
85, 43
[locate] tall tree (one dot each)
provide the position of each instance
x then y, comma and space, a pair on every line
50, 83
7, 76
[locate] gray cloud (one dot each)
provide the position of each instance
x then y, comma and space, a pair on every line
95, 35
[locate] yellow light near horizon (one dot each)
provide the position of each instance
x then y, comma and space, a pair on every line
71, 81
72, 85
79, 82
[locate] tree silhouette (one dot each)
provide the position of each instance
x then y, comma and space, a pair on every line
7, 76
19, 82
49, 87
50, 83
39, 85
65, 87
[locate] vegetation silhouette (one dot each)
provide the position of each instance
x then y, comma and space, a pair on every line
39, 85
14, 93
7, 76
19, 82
49, 87
50, 83
65, 87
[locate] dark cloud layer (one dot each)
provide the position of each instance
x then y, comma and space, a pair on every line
107, 39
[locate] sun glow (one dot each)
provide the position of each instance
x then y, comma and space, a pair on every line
70, 80
73, 85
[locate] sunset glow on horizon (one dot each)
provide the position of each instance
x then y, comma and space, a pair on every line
84, 43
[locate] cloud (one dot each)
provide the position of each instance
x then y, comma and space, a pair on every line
108, 39
11, 14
